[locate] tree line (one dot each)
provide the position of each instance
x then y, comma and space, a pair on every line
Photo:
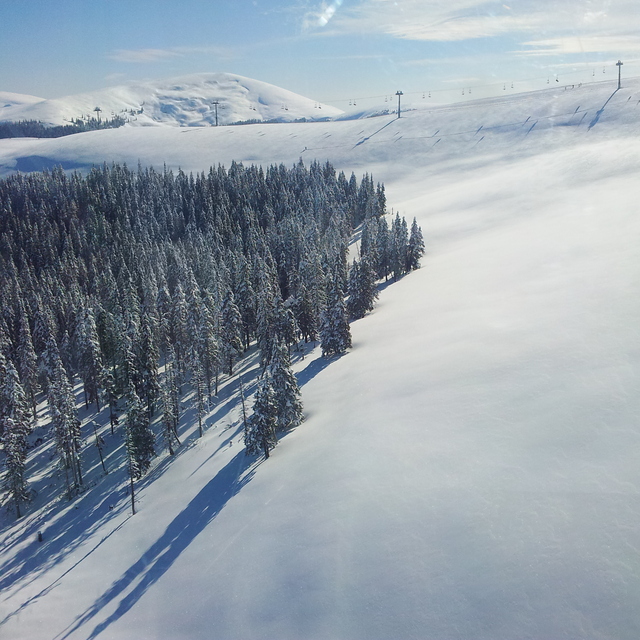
136, 283
38, 129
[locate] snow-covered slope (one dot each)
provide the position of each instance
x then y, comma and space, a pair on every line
183, 101
524, 123
470, 469
10, 100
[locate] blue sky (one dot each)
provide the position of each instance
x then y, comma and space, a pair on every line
333, 51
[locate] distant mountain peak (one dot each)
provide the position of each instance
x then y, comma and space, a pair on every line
193, 100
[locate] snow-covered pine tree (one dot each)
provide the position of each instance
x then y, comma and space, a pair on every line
362, 289
199, 389
399, 242
246, 301
260, 433
65, 425
15, 426
169, 417
415, 249
230, 331
27, 361
89, 356
178, 329
139, 438
383, 248
335, 335
148, 357
111, 396
285, 389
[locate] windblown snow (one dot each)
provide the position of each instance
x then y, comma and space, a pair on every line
470, 469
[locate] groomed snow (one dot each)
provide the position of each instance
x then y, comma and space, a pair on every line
470, 469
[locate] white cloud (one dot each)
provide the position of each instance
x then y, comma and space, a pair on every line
143, 55
546, 26
591, 44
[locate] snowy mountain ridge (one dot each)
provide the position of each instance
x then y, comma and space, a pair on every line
182, 101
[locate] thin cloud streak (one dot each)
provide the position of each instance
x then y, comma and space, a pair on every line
138, 56
148, 56
567, 27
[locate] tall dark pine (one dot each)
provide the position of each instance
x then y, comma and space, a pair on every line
15, 426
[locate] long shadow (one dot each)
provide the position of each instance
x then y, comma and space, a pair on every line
314, 368
49, 587
81, 518
357, 144
596, 118
180, 533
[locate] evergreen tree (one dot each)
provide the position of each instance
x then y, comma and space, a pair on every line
231, 341
89, 356
148, 356
415, 249
179, 330
27, 361
139, 438
65, 425
199, 390
208, 347
335, 335
399, 242
15, 426
285, 388
260, 434
169, 419
362, 289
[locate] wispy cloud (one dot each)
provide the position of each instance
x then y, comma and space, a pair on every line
139, 56
145, 56
544, 26
592, 44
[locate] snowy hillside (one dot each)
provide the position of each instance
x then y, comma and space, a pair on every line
10, 100
469, 470
523, 123
184, 101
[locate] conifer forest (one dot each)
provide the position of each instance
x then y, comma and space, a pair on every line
136, 285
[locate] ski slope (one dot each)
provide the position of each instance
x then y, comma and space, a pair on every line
470, 469
182, 101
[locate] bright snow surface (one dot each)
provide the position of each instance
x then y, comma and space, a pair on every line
183, 101
469, 470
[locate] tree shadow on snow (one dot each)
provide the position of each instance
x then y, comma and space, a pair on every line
180, 533
314, 368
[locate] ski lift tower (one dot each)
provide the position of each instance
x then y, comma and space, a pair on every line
98, 110
399, 93
619, 65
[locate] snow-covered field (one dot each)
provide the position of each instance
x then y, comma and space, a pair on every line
469, 470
